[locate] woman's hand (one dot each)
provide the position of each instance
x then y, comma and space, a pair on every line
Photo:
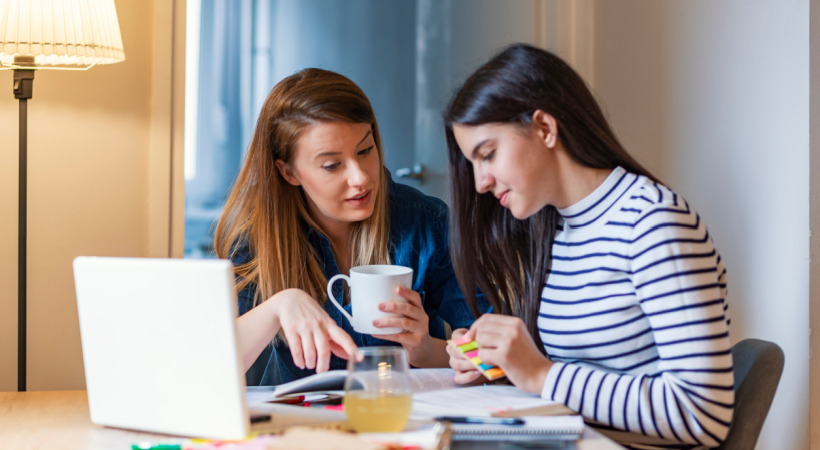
466, 373
311, 334
422, 349
504, 341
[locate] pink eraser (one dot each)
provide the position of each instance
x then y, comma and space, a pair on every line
461, 341
471, 354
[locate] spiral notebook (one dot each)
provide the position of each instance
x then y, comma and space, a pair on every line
536, 428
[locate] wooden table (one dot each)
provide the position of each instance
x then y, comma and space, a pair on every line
59, 420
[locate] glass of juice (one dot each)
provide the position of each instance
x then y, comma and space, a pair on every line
378, 397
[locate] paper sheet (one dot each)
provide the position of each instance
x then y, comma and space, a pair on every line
478, 401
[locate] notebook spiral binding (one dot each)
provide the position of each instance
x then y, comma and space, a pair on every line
512, 431
495, 433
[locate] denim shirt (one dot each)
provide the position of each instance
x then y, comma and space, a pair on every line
419, 240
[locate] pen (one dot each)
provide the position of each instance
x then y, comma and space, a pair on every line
482, 420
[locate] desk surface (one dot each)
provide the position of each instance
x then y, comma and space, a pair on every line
60, 420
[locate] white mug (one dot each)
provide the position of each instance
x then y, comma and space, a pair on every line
369, 286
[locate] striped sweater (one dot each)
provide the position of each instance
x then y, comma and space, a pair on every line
634, 315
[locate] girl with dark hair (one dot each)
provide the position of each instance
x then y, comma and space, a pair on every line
313, 200
610, 296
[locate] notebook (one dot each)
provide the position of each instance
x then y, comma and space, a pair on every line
558, 428
484, 401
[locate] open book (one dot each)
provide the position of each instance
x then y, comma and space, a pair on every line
421, 380
436, 394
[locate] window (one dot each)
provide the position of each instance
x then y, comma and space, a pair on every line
407, 56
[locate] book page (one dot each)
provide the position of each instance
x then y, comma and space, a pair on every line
258, 394
425, 380
326, 381
478, 401
421, 380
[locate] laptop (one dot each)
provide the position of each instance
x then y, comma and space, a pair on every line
159, 348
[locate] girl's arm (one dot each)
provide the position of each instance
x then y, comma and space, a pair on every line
680, 282
505, 342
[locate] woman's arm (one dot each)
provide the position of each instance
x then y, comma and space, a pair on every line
442, 295
311, 334
422, 349
255, 330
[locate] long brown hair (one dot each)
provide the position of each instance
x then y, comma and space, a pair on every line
269, 217
510, 259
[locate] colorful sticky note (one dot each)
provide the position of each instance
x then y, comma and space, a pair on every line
461, 341
468, 346
470, 350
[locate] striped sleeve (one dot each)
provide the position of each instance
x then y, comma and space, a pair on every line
680, 283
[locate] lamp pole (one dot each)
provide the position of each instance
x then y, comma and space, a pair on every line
23, 85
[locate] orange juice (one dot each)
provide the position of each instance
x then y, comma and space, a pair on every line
374, 413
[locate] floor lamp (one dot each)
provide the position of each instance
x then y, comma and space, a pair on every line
51, 35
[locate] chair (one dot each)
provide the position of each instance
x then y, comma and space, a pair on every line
758, 366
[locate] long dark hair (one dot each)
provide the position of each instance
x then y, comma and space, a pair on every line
509, 259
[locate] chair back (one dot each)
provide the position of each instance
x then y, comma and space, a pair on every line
757, 366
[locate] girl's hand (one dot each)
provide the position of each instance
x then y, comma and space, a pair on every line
421, 349
465, 370
311, 334
504, 341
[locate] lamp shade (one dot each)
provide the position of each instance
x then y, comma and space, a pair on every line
60, 32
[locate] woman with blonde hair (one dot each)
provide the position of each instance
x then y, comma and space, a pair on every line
312, 200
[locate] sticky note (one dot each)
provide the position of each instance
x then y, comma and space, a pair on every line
461, 341
468, 346
470, 350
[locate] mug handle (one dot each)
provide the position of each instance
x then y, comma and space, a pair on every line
332, 299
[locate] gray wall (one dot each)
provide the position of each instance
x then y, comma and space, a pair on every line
370, 41
814, 202
453, 38
713, 96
